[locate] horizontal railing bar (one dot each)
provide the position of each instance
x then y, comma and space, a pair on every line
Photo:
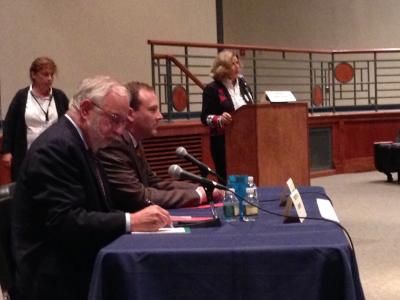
273, 49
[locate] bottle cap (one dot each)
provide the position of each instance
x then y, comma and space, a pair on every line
250, 180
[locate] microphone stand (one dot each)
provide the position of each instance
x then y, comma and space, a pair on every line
204, 173
209, 193
214, 222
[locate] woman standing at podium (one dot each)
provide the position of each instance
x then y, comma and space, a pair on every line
225, 94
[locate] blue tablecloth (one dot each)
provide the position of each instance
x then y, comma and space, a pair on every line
265, 259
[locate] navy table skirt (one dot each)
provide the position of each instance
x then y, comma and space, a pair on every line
265, 259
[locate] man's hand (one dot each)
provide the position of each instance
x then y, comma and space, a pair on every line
150, 218
6, 159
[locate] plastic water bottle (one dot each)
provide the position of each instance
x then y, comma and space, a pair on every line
250, 183
231, 206
251, 211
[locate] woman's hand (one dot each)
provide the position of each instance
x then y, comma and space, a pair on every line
226, 119
6, 159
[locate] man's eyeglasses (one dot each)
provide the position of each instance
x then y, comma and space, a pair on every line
116, 119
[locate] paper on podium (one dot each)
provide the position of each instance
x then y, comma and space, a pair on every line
280, 96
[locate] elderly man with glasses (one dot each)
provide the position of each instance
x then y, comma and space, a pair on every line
62, 214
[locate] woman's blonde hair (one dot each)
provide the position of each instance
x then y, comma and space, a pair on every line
222, 65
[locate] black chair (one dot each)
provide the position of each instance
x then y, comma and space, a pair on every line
6, 262
395, 157
384, 160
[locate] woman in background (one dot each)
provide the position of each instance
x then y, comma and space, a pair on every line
225, 94
31, 111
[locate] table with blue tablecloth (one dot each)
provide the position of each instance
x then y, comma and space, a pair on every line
265, 259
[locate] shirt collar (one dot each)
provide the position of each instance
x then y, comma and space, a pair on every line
31, 90
228, 83
135, 143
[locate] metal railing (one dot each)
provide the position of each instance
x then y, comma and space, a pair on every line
327, 80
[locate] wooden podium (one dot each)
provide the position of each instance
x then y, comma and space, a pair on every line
269, 142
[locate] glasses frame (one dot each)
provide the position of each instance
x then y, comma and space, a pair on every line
115, 118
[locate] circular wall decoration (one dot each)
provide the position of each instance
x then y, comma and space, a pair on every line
179, 98
344, 72
317, 95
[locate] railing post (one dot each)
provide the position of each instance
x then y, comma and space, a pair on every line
369, 81
187, 82
153, 79
355, 84
168, 88
311, 81
376, 82
153, 75
333, 84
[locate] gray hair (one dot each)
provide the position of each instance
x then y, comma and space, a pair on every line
96, 88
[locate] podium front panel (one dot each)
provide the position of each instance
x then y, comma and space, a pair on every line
270, 142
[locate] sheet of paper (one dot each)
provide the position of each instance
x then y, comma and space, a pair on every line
167, 230
189, 219
280, 96
326, 209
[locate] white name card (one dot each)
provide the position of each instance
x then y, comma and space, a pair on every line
295, 200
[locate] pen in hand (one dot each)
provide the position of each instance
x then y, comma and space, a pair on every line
148, 202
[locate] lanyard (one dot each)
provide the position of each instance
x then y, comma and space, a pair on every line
45, 112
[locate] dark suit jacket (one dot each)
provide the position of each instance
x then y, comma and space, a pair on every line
14, 131
60, 217
217, 100
133, 184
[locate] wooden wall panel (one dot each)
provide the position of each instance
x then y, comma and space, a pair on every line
191, 134
5, 175
353, 136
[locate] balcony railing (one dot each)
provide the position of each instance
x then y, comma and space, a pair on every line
327, 80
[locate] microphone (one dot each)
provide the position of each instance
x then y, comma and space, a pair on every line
204, 169
248, 95
177, 172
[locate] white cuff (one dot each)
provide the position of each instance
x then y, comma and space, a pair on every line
127, 222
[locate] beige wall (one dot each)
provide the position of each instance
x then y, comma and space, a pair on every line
88, 37
338, 24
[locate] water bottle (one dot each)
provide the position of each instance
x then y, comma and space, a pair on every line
250, 183
231, 206
250, 207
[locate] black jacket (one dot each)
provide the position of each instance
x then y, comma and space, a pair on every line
216, 100
60, 217
14, 131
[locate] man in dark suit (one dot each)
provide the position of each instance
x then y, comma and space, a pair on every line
133, 184
61, 213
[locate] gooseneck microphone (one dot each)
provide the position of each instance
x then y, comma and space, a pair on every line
177, 172
182, 153
204, 169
